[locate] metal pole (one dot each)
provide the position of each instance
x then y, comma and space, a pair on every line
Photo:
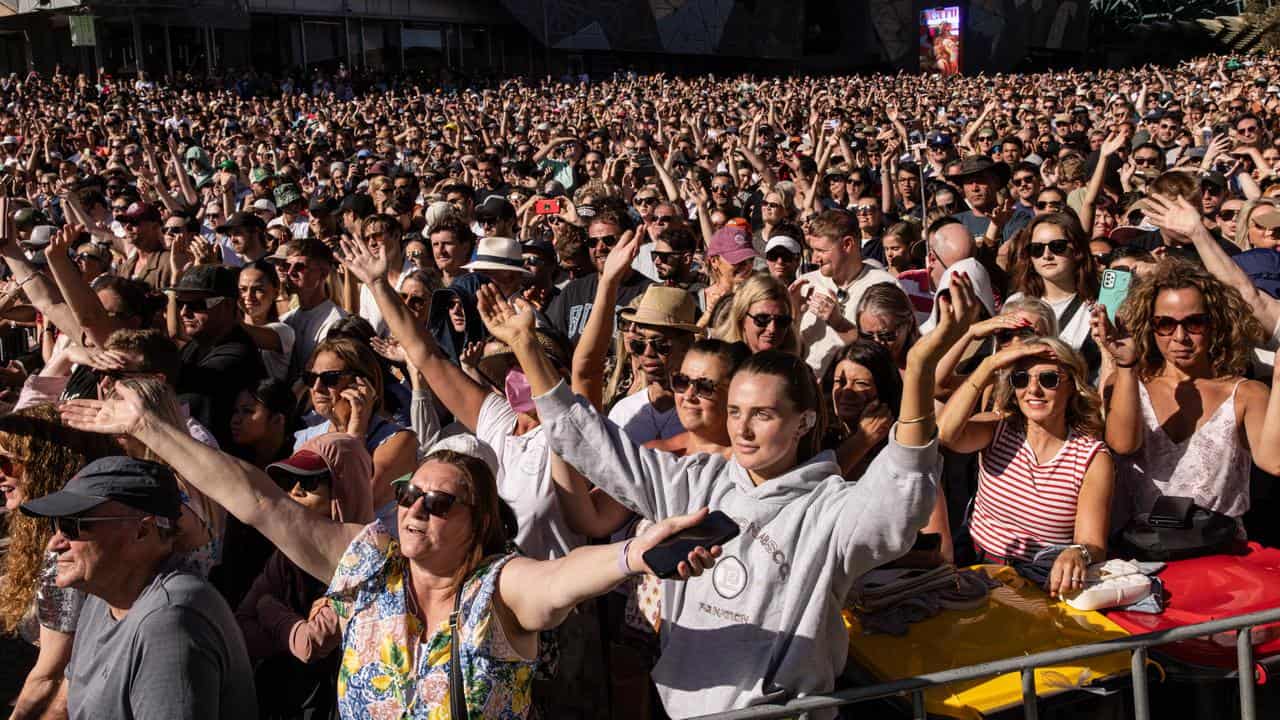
1030, 708
302, 35
1138, 669
1244, 662
168, 53
917, 706
137, 41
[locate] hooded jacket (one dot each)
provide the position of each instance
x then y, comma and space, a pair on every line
764, 624
275, 615
449, 340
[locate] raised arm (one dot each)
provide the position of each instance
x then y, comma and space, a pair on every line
916, 423
1110, 146
959, 429
39, 289
459, 393
1262, 424
80, 299
314, 543
1121, 399
593, 346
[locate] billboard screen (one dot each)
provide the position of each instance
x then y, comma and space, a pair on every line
940, 33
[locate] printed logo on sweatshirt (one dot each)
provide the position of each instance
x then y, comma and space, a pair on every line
775, 551
729, 577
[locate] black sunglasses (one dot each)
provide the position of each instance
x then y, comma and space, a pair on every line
309, 483
762, 320
1058, 247
434, 502
780, 255
661, 346
1196, 324
608, 241
1007, 334
702, 387
328, 378
1048, 379
1228, 215
1047, 204
1103, 259
883, 337
174, 229
664, 256
198, 305
71, 526
413, 302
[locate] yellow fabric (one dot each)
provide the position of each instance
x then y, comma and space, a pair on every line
1018, 619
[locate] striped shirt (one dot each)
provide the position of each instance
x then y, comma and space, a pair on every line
1023, 505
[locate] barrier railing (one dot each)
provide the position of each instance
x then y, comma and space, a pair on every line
1027, 664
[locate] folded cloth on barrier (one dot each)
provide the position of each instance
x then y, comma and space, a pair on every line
893, 613
1018, 618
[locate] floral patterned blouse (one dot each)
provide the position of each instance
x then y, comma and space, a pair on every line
389, 670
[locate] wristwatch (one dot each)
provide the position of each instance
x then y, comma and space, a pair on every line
1084, 552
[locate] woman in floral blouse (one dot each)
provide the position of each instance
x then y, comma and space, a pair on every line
394, 598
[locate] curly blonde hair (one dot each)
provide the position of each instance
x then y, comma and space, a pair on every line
50, 453
1084, 413
1234, 330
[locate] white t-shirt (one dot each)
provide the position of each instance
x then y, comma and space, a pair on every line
641, 422
310, 328
1076, 331
821, 343
369, 307
277, 363
524, 481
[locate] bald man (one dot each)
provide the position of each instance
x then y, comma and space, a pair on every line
949, 243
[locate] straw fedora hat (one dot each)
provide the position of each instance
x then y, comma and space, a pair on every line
667, 307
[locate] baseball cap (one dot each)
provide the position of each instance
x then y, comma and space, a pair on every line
303, 463
782, 241
229, 166
731, 243
259, 174
264, 205
242, 220
208, 281
140, 484
140, 212
495, 206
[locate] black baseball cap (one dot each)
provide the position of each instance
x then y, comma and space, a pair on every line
140, 484
240, 220
208, 281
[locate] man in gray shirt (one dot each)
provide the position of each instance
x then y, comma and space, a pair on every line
152, 641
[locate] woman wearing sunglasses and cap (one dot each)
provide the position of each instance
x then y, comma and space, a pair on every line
450, 594
1045, 477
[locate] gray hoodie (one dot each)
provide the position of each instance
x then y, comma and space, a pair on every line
764, 625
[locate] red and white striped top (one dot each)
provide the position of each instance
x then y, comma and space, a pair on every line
1023, 505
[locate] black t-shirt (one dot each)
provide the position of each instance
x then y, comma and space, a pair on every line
569, 311
214, 373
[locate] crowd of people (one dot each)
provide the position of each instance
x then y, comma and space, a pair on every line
324, 403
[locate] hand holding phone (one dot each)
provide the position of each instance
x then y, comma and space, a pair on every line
547, 207
1115, 287
689, 550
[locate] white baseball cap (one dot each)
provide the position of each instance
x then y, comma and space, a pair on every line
782, 241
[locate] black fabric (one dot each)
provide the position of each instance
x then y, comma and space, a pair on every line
1207, 533
457, 694
568, 313
213, 374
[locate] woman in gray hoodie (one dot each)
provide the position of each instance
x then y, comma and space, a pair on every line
764, 625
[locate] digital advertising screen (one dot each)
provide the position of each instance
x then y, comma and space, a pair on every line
940, 33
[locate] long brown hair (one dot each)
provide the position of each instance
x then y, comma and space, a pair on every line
1028, 282
50, 454
491, 527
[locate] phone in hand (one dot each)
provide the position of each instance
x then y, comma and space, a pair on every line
665, 557
1115, 288
547, 207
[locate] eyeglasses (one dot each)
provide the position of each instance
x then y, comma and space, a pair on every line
883, 337
1047, 379
71, 526
198, 305
413, 302
1103, 259
1228, 215
309, 483
607, 240
1008, 334
722, 188
85, 257
780, 255
665, 256
434, 502
328, 378
1058, 247
664, 219
1247, 129
1049, 205
702, 387
1196, 324
661, 346
762, 321
771, 205
415, 256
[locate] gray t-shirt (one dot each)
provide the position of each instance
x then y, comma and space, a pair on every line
178, 654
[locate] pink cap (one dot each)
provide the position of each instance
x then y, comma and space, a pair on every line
731, 243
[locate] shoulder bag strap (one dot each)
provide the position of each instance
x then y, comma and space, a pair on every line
1070, 312
457, 695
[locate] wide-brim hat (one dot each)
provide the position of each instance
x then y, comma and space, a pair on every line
499, 253
499, 354
978, 164
667, 307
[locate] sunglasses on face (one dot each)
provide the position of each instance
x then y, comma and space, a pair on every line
721, 188
1024, 180
71, 526
779, 255
1005, 336
864, 209
702, 387
1058, 247
1047, 379
413, 302
328, 378
1103, 259
763, 320
434, 502
1146, 161
1247, 129
665, 256
771, 205
198, 305
642, 201
664, 219
606, 240
883, 337
1228, 215
309, 483
1048, 205
174, 230
1196, 324
661, 346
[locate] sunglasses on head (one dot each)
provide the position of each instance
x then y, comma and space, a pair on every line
607, 240
762, 321
71, 526
1196, 324
309, 483
1058, 247
702, 387
434, 502
328, 378
883, 337
661, 346
1047, 379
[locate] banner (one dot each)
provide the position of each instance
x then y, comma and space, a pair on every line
940, 34
83, 33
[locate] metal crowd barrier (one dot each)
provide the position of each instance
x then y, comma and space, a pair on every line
1026, 665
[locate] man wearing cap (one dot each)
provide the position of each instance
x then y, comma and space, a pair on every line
152, 641
148, 260
571, 308
246, 233
289, 204
220, 358
981, 178
663, 326
940, 150
496, 216
829, 296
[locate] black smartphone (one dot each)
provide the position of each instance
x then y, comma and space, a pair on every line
666, 556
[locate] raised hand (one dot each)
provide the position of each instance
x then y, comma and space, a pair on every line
366, 264
123, 414
360, 398
620, 257
956, 310
1112, 144
1119, 345
388, 348
991, 326
1174, 214
1010, 355
505, 321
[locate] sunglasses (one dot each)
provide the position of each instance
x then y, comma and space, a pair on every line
1058, 247
1047, 379
296, 268
174, 229
1025, 180
721, 188
433, 501
1008, 334
661, 346
762, 321
780, 255
1196, 324
413, 302
864, 209
664, 219
883, 337
665, 256
646, 201
198, 305
71, 526
771, 205
1228, 215
1048, 205
533, 262
1146, 161
328, 378
1103, 259
309, 483
606, 240
702, 387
